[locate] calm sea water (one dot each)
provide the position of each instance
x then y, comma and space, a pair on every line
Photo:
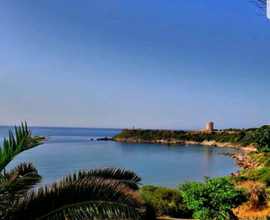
71, 149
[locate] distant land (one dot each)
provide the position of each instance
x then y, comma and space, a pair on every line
236, 138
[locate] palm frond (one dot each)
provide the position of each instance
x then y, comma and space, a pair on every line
124, 176
22, 141
22, 168
15, 183
86, 198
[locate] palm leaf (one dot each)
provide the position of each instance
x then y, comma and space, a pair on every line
13, 146
15, 184
22, 169
124, 176
86, 198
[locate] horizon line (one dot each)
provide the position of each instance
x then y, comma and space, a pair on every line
44, 126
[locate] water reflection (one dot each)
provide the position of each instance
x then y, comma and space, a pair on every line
208, 152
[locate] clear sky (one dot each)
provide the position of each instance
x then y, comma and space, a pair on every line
123, 63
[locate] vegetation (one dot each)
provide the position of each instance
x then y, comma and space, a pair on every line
165, 202
262, 138
15, 183
259, 137
105, 193
112, 193
214, 199
262, 158
257, 205
255, 182
262, 174
257, 195
243, 137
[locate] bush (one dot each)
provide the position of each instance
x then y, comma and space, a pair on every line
165, 201
214, 199
262, 138
147, 212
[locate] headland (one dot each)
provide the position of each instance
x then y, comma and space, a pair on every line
234, 138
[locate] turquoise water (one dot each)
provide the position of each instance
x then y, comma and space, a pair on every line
70, 149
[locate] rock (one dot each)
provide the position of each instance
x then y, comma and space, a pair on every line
242, 160
105, 139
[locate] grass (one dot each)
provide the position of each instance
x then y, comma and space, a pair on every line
262, 158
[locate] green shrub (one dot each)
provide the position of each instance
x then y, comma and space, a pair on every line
165, 201
147, 212
214, 199
262, 138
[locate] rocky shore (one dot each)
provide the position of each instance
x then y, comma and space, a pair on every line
242, 160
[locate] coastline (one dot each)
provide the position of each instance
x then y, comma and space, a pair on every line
247, 149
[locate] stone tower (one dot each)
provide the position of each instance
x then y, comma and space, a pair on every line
210, 126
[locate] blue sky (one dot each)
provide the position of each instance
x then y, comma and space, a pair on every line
149, 64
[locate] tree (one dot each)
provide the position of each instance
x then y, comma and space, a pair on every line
165, 201
104, 193
214, 199
262, 138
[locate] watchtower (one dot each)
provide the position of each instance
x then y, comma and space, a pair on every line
209, 126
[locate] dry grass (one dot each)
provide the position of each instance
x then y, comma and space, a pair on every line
257, 195
243, 213
257, 205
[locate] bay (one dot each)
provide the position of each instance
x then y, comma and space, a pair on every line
71, 149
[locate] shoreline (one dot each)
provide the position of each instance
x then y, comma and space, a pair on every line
247, 149
242, 160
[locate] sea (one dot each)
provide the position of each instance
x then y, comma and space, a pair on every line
71, 149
